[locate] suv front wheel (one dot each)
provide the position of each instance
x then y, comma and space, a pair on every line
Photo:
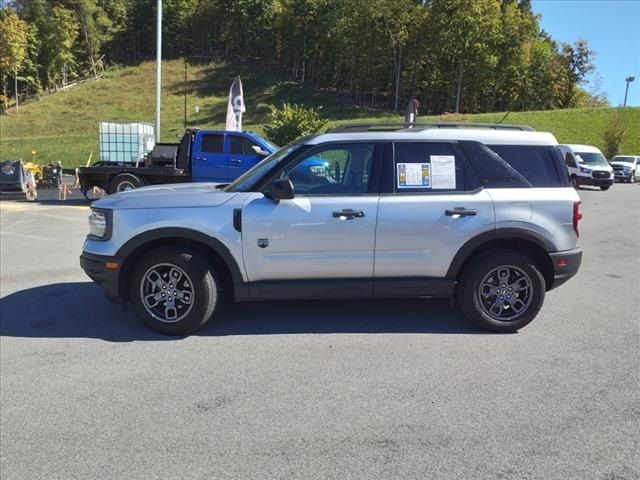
501, 290
174, 290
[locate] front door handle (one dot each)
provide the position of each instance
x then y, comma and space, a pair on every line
200, 158
461, 212
348, 214
235, 160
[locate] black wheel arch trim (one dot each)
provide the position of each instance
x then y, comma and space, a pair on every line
500, 233
241, 288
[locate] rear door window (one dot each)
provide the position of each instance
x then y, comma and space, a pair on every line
212, 143
541, 165
430, 167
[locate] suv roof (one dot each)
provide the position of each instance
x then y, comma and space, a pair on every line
488, 136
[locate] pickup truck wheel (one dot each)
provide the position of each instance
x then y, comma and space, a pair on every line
124, 182
604, 187
174, 290
501, 290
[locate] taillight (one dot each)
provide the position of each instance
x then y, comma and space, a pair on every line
577, 216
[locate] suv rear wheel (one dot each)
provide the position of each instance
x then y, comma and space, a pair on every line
174, 290
501, 290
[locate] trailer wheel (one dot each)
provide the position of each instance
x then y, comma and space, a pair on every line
124, 182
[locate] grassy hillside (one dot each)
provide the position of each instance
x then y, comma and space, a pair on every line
64, 126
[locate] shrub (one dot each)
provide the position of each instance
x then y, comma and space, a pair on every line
454, 117
292, 121
613, 137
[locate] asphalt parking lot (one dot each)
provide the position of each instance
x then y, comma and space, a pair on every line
380, 389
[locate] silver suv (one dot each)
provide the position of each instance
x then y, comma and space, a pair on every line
480, 213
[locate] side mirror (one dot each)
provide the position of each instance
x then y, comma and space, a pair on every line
281, 189
260, 151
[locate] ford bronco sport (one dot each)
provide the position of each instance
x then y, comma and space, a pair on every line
481, 213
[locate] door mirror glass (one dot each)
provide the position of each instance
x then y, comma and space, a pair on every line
281, 189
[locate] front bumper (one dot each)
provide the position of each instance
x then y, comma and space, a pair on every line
565, 265
621, 175
596, 182
95, 266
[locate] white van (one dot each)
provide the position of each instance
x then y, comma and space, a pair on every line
587, 166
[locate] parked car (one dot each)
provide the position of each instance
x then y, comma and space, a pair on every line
483, 214
587, 166
626, 168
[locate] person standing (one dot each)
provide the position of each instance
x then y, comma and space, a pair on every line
59, 174
411, 112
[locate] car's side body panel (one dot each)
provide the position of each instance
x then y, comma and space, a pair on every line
548, 212
416, 238
302, 238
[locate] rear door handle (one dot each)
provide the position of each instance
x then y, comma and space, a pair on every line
200, 158
235, 160
460, 211
348, 214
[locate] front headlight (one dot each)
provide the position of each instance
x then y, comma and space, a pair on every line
100, 224
585, 170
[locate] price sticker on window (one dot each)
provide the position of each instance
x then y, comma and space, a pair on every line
414, 175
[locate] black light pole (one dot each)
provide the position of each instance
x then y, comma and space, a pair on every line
629, 79
185, 88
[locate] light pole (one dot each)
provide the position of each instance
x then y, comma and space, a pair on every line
158, 67
185, 87
629, 79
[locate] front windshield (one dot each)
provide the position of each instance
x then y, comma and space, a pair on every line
623, 159
246, 181
588, 158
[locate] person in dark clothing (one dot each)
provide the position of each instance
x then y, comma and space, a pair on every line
58, 170
411, 112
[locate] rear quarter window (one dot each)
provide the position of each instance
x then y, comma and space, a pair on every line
541, 165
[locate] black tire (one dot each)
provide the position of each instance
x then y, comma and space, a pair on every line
604, 187
574, 182
473, 277
632, 178
199, 290
124, 182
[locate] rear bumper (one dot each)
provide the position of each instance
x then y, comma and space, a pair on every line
565, 265
95, 266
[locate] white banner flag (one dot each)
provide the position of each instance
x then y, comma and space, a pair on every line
235, 108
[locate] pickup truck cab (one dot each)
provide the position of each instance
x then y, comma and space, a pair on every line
222, 156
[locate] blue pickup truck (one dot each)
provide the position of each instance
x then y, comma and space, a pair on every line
201, 156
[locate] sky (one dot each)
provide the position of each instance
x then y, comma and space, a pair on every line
611, 29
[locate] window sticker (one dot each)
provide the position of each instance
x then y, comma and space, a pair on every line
414, 175
443, 171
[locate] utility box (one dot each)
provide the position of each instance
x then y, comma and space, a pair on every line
125, 143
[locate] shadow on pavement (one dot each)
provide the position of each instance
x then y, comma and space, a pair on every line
79, 310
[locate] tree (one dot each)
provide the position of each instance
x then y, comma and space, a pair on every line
61, 33
575, 63
613, 137
13, 48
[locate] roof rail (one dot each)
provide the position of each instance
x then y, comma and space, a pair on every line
391, 126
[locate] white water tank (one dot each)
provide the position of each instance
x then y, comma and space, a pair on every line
125, 143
